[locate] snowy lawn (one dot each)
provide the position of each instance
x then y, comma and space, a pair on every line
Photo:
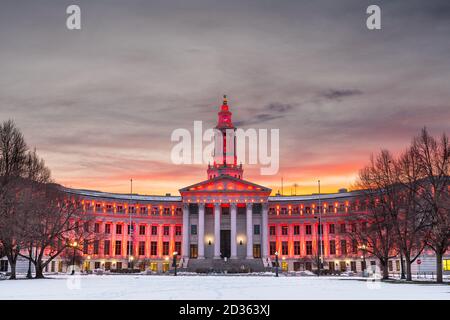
213, 287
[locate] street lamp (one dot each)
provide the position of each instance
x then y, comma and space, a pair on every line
174, 264
363, 248
74, 246
131, 263
276, 263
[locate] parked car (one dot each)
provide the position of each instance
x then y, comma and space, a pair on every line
2, 276
348, 274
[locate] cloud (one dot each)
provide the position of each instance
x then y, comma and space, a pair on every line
334, 94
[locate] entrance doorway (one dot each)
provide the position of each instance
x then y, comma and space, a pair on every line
225, 243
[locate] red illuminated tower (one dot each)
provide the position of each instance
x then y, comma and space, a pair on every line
225, 159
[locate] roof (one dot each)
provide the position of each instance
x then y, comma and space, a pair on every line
225, 177
138, 197
121, 196
323, 196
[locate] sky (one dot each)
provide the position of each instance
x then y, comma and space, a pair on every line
99, 104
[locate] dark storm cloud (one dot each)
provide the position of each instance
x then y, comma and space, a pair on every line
139, 69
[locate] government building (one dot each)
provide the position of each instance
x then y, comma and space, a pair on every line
226, 223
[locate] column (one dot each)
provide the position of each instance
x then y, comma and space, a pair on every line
185, 248
249, 231
265, 231
233, 210
201, 231
217, 231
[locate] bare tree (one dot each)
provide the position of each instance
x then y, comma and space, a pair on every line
375, 229
58, 223
410, 219
433, 157
13, 151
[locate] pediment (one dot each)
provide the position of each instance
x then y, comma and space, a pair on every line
225, 184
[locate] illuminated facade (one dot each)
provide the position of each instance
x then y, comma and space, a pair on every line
222, 218
225, 223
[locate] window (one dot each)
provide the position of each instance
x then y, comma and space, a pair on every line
353, 227
193, 229
284, 248
108, 208
143, 210
142, 230
86, 226
131, 209
153, 248
272, 230
119, 266
297, 248
178, 231
343, 247
272, 247
4, 265
119, 209
107, 228
142, 248
166, 212
193, 251
107, 246
256, 229
178, 247
331, 229
256, 251
166, 230
118, 248
284, 211
284, 230
130, 229
343, 228
354, 246
390, 266
308, 229
165, 248
332, 247
154, 230
307, 210
309, 247
296, 230
97, 265
353, 266
446, 264
85, 247
97, 227
98, 207
118, 229
95, 247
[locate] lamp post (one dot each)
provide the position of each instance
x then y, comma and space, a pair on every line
363, 249
276, 263
74, 246
174, 264
319, 235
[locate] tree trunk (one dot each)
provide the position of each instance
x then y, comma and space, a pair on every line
402, 267
39, 271
384, 269
12, 263
408, 269
439, 267
29, 275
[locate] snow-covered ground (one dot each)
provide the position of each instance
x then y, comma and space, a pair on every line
213, 287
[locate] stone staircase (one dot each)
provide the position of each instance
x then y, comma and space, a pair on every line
228, 266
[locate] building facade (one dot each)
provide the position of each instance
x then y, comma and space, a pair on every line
226, 220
